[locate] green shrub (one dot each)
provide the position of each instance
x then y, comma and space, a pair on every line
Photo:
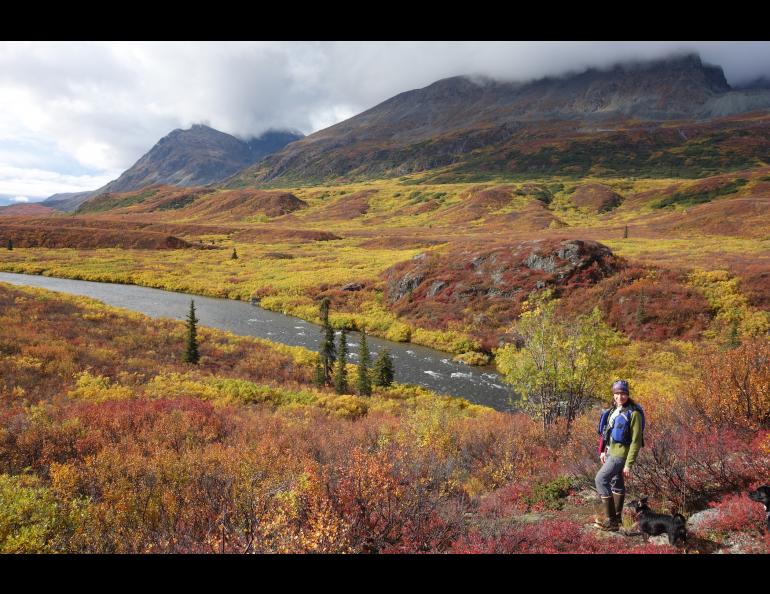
551, 494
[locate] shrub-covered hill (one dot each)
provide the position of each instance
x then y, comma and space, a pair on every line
201, 203
33, 236
484, 289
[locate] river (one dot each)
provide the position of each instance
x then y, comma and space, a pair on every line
414, 364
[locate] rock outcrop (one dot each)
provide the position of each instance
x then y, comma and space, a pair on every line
486, 288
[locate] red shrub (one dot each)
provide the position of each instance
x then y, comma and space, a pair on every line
688, 466
737, 513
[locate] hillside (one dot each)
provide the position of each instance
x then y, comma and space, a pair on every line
110, 443
300, 244
630, 119
34, 209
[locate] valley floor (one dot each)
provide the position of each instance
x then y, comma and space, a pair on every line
109, 443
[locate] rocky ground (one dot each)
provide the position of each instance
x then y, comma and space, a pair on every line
700, 537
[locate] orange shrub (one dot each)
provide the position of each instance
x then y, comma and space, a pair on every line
733, 386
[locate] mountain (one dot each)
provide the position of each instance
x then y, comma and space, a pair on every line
194, 157
67, 201
446, 122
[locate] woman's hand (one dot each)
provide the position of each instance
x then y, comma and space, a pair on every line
626, 472
602, 457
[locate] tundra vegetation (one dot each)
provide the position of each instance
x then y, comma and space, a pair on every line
110, 442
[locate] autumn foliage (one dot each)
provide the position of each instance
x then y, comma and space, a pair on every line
733, 388
110, 443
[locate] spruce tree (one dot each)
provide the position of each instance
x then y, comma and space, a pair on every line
383, 369
641, 315
328, 352
191, 354
625, 233
364, 382
10, 244
234, 255
324, 311
341, 376
319, 374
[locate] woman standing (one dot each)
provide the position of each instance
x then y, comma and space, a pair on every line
622, 430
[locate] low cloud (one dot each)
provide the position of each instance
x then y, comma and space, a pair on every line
22, 185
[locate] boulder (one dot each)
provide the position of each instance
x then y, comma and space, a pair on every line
435, 288
661, 539
697, 522
352, 287
399, 287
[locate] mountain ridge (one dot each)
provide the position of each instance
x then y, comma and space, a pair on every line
447, 121
198, 156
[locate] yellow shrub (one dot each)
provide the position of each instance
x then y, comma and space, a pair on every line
472, 358
398, 332
345, 406
97, 388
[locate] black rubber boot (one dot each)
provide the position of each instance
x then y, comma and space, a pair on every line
608, 522
618, 499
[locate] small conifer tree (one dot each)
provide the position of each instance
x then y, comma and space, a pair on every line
191, 354
341, 376
324, 311
328, 351
383, 369
319, 375
625, 232
10, 244
364, 382
234, 255
641, 314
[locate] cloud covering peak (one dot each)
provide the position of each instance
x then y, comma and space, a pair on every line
92, 109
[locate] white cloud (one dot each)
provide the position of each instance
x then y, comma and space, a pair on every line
39, 183
20, 199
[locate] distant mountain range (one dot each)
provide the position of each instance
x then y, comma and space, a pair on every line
195, 157
457, 119
676, 116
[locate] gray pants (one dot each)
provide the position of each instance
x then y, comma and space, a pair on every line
610, 476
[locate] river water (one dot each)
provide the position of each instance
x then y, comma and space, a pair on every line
413, 364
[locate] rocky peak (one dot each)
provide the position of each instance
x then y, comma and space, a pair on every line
687, 68
198, 156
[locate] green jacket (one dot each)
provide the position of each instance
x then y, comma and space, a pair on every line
629, 452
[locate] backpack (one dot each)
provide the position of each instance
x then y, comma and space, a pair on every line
620, 432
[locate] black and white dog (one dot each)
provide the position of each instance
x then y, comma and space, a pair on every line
763, 496
653, 524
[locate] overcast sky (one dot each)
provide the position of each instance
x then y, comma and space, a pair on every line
75, 115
